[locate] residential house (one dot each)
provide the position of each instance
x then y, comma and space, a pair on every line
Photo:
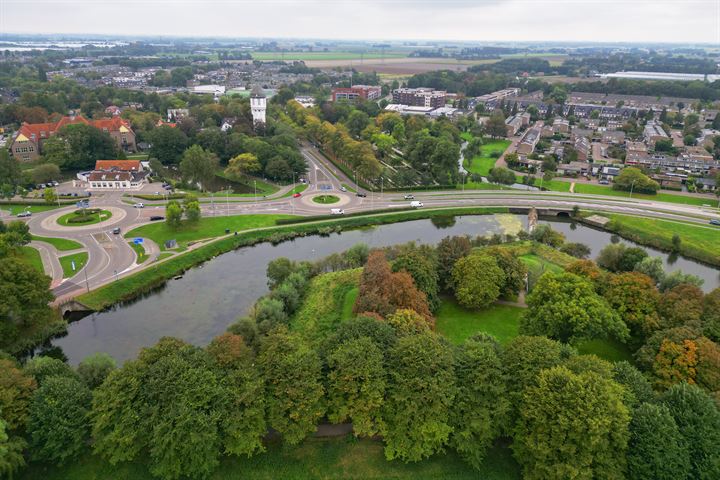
351, 94
616, 137
116, 175
529, 142
582, 147
575, 169
653, 132
561, 125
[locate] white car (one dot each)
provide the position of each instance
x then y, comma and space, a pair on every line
416, 204
139, 205
337, 211
409, 196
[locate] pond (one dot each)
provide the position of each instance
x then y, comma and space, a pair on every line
208, 298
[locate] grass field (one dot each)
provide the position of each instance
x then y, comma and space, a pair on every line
208, 227
458, 323
329, 301
80, 260
32, 257
533, 261
62, 244
331, 55
18, 208
611, 350
313, 459
326, 199
697, 241
660, 197
139, 252
482, 164
93, 218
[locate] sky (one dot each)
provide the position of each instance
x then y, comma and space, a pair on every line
678, 21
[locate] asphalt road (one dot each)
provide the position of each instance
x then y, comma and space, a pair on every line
110, 257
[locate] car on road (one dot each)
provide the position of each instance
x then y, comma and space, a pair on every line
55, 184
155, 218
24, 214
139, 205
343, 189
296, 195
41, 186
409, 196
604, 182
116, 230
416, 204
361, 194
714, 221
337, 211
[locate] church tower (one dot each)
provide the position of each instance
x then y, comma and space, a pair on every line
258, 105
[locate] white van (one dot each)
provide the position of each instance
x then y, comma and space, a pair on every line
337, 211
416, 204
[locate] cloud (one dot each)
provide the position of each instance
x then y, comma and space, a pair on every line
478, 20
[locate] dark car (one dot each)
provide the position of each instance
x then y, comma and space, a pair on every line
714, 221
116, 230
361, 194
155, 218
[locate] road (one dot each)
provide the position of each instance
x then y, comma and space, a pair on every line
110, 257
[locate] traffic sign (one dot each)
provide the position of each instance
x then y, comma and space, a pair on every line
137, 241
72, 263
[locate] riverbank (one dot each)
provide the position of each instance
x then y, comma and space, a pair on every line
152, 277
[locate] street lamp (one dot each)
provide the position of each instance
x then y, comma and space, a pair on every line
255, 194
632, 185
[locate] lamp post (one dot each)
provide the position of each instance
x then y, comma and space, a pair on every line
632, 185
255, 194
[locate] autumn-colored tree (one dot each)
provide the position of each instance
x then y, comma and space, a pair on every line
634, 296
477, 280
708, 366
384, 292
711, 315
675, 363
243, 164
408, 322
681, 305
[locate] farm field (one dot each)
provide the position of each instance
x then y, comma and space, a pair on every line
330, 55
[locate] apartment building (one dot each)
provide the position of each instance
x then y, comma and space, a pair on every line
420, 97
654, 132
351, 94
529, 142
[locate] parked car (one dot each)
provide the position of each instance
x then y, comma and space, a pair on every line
604, 182
714, 221
337, 211
55, 184
24, 214
361, 194
41, 186
416, 204
296, 195
155, 218
116, 230
343, 189
409, 196
139, 205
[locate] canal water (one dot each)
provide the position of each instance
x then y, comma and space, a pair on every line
208, 298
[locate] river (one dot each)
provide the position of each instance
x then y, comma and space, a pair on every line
208, 298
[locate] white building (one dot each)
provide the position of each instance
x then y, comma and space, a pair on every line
258, 105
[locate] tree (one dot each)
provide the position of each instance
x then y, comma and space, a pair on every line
356, 386
278, 169
94, 369
501, 175
632, 179
637, 387
10, 173
711, 315
198, 165
419, 397
44, 173
192, 209
523, 358
49, 195
243, 164
565, 306
383, 292
635, 297
477, 280
698, 420
16, 390
77, 146
11, 452
357, 121
672, 280
423, 270
545, 234
408, 322
167, 144
370, 326
656, 449
495, 126
652, 267
513, 269
173, 214
449, 251
572, 426
617, 257
681, 305
58, 425
294, 389
577, 250
481, 405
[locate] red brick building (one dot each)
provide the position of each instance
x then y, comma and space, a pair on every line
363, 92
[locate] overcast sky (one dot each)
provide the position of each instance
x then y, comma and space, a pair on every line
478, 20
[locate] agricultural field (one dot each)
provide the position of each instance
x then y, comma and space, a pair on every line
330, 55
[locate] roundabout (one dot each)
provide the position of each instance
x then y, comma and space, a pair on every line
317, 200
57, 222
90, 216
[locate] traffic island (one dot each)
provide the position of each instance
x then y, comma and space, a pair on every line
325, 199
82, 217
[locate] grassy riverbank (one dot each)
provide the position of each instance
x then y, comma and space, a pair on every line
700, 242
154, 276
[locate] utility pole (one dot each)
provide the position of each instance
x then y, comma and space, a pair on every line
632, 185
87, 284
227, 201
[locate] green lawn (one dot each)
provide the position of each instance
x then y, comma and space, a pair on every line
32, 257
349, 303
482, 164
326, 199
208, 227
93, 218
62, 244
348, 188
660, 197
14, 209
611, 350
80, 260
139, 252
313, 459
458, 323
482, 186
163, 255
